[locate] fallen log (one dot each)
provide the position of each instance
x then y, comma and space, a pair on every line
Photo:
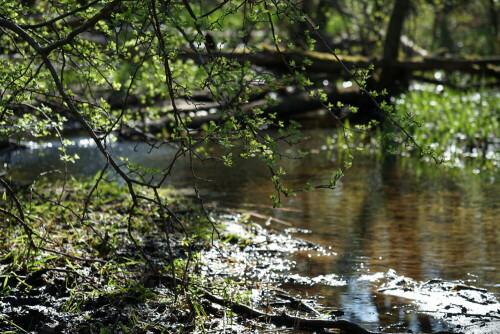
286, 106
324, 62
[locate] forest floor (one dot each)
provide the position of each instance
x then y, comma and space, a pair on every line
231, 285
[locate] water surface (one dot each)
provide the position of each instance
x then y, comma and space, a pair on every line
423, 221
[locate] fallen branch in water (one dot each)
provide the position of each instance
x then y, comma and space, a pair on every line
285, 319
300, 323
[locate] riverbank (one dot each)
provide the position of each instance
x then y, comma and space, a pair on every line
108, 270
92, 277
157, 282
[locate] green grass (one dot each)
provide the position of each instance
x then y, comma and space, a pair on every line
460, 127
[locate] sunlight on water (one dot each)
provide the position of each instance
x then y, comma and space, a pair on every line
424, 222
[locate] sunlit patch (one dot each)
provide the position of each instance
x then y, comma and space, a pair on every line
202, 113
454, 302
346, 84
85, 143
438, 75
252, 252
273, 95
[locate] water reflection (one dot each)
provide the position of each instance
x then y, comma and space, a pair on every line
423, 222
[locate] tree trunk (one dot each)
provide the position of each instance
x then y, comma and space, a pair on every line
494, 24
394, 31
391, 79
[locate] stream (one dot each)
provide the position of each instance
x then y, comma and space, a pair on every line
421, 221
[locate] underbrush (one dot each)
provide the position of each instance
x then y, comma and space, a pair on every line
76, 257
100, 264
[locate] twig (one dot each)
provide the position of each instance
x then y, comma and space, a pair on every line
268, 218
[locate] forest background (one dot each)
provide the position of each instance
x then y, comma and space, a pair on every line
220, 81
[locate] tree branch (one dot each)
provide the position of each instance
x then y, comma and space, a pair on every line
279, 320
88, 24
66, 98
60, 17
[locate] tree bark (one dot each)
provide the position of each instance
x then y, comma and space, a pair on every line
394, 31
391, 79
494, 24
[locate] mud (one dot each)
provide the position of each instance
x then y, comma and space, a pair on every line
247, 265
90, 298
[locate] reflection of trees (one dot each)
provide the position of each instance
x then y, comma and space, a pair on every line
401, 216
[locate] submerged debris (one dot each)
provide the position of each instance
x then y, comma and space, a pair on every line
465, 308
250, 252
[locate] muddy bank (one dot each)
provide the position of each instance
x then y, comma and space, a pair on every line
132, 290
234, 284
